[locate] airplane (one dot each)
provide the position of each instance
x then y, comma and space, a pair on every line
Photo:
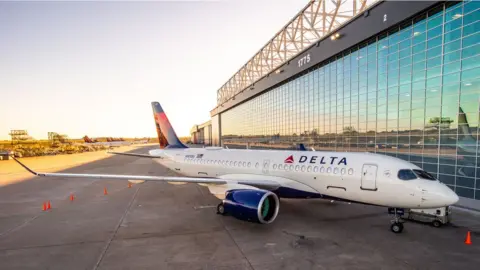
250, 183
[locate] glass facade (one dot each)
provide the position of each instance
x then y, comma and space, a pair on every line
412, 93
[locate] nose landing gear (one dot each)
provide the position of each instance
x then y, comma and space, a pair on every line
396, 227
397, 222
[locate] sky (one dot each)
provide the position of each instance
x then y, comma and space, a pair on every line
92, 68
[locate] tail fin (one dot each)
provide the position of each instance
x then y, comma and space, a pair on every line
166, 135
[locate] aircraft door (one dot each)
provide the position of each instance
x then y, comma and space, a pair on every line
266, 165
369, 177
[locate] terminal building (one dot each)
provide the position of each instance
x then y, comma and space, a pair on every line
394, 77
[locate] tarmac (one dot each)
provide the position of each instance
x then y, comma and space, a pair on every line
161, 226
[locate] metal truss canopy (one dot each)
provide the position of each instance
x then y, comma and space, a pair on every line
315, 21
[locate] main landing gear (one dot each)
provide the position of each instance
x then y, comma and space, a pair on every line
397, 223
220, 209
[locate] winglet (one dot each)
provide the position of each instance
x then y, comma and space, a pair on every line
301, 147
25, 166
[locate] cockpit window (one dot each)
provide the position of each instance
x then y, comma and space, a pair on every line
406, 175
424, 175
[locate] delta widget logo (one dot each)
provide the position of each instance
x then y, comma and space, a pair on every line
289, 159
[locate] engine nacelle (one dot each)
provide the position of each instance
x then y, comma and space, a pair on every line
252, 205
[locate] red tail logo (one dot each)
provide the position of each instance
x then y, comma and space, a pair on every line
289, 159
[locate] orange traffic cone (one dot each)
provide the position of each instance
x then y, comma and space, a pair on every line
105, 191
468, 241
72, 197
49, 206
129, 185
44, 208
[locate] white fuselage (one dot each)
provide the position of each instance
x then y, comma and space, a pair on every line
358, 177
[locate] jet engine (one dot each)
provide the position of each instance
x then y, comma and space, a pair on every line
259, 206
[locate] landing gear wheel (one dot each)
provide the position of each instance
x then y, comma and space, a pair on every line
220, 209
436, 224
396, 227
397, 222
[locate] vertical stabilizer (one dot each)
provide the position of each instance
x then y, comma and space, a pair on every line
166, 135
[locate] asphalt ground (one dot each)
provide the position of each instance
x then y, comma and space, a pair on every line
163, 226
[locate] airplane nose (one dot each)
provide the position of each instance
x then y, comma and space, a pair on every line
450, 197
443, 195
438, 195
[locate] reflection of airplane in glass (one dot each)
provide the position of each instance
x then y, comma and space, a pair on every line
467, 146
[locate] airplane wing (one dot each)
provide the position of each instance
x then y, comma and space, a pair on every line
199, 180
135, 155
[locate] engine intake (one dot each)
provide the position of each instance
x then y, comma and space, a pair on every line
259, 206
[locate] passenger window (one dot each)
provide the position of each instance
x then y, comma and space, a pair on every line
303, 168
291, 168
406, 175
344, 171
244, 164
280, 167
315, 169
235, 164
249, 164
350, 171
274, 166
322, 169
335, 171
297, 167
256, 165
329, 170
309, 168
